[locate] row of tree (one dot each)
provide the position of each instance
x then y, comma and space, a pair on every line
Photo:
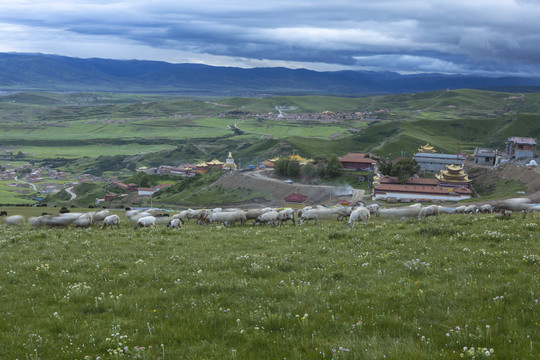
323, 167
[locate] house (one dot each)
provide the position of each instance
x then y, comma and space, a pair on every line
146, 191
436, 161
109, 197
485, 156
385, 179
357, 161
520, 147
295, 201
419, 193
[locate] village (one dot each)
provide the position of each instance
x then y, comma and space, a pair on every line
441, 177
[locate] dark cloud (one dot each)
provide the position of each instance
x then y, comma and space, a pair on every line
457, 36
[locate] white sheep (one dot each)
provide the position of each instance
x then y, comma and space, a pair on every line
234, 216
135, 215
146, 221
14, 220
402, 212
317, 214
373, 209
98, 216
486, 209
460, 209
286, 215
344, 212
175, 223
85, 220
431, 210
269, 217
110, 221
470, 209
514, 204
359, 214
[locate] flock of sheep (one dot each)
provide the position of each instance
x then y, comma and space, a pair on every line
268, 216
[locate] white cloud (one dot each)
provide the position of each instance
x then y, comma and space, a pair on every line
443, 35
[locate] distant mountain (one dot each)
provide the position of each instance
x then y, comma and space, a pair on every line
59, 73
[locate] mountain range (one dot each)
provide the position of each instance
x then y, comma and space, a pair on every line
41, 72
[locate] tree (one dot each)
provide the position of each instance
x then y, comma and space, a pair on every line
404, 169
293, 169
309, 171
386, 168
333, 167
281, 165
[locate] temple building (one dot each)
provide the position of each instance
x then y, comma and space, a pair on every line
453, 177
428, 149
229, 163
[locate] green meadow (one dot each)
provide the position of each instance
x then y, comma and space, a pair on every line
447, 119
454, 287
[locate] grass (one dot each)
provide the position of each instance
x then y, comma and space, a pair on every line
309, 292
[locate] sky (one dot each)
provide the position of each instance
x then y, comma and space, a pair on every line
482, 37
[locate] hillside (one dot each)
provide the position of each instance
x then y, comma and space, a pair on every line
58, 73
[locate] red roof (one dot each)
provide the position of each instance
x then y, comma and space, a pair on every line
463, 190
410, 181
295, 197
357, 158
417, 189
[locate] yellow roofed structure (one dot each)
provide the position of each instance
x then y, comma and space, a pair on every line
427, 149
453, 174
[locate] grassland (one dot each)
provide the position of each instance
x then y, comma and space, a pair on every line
150, 123
390, 289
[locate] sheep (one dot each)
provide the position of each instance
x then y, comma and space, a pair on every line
213, 217
85, 220
344, 212
98, 216
270, 217
431, 210
253, 214
446, 210
14, 220
135, 215
110, 221
373, 209
486, 209
175, 223
470, 209
299, 212
360, 213
146, 221
317, 214
233, 217
286, 215
403, 211
514, 204
64, 219
183, 216
460, 209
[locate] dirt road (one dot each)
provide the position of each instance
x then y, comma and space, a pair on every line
317, 194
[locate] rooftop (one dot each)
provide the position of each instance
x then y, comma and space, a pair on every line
522, 140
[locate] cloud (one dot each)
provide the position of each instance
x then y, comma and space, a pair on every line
458, 36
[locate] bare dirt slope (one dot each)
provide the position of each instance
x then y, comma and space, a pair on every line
317, 194
527, 175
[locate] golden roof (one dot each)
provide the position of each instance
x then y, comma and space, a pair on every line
230, 155
427, 149
201, 164
230, 165
214, 162
453, 173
